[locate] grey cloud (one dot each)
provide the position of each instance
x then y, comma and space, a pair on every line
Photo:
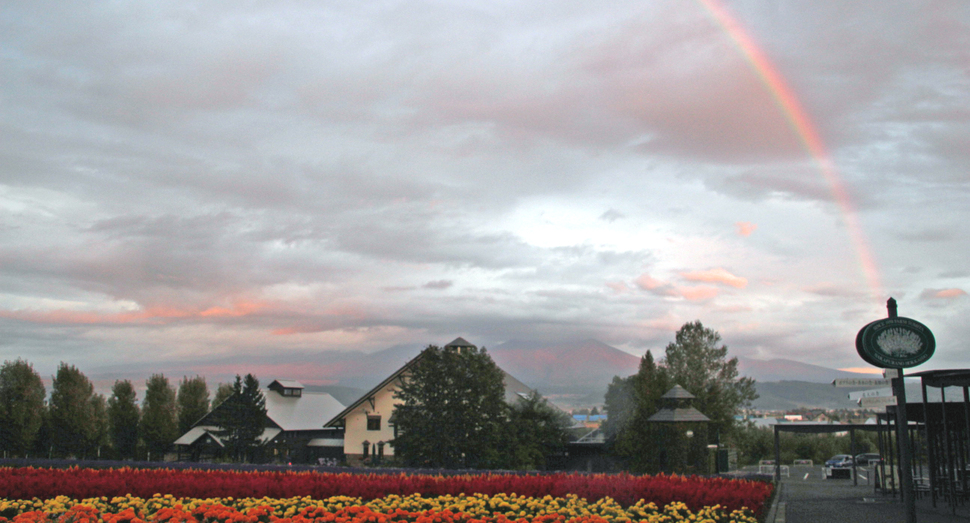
612, 215
926, 235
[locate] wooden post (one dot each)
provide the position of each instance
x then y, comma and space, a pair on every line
777, 456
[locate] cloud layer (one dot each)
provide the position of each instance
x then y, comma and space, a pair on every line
191, 181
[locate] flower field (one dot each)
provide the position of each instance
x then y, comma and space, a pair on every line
35, 495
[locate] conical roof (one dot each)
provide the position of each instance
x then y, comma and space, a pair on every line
459, 342
677, 407
678, 393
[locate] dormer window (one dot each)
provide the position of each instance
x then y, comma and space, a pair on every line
288, 388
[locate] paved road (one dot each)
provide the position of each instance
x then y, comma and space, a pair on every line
807, 497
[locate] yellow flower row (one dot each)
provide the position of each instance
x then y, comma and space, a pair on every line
476, 506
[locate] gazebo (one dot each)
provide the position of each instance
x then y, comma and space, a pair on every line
676, 425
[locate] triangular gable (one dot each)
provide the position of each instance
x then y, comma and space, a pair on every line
196, 433
380, 386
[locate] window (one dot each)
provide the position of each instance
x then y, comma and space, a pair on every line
373, 423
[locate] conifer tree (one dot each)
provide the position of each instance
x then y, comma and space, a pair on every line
242, 419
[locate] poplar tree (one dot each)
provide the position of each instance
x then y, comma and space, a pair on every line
123, 419
100, 437
193, 402
71, 414
159, 419
223, 391
22, 396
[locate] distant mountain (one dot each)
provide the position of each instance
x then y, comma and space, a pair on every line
788, 395
570, 373
575, 364
787, 370
368, 370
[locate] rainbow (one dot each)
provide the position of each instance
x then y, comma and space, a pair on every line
802, 125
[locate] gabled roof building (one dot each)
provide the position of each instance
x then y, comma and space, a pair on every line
294, 430
367, 423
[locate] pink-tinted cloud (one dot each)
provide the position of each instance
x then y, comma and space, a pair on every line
942, 294
660, 288
618, 286
700, 293
151, 315
745, 228
862, 370
718, 275
648, 283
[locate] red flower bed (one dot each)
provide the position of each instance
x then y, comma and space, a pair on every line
695, 492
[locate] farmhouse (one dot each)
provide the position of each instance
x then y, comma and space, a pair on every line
294, 430
368, 423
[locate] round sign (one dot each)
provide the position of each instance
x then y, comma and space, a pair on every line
895, 343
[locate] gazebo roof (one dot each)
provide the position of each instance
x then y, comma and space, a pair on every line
677, 408
678, 415
678, 393
460, 342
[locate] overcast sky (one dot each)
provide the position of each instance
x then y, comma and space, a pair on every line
233, 181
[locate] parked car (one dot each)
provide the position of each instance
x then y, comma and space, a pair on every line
869, 458
839, 461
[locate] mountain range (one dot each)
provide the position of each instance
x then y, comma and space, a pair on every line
572, 374
576, 374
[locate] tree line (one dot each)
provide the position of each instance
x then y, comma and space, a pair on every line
453, 412
75, 421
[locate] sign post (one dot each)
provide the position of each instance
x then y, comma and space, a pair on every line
895, 343
877, 402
